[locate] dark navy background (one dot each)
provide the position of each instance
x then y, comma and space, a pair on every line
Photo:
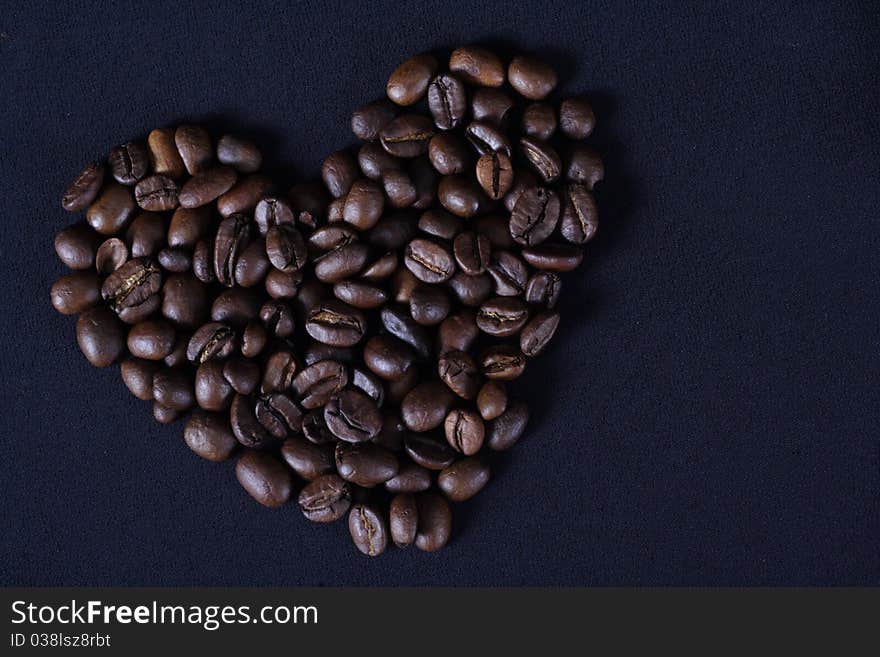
708, 413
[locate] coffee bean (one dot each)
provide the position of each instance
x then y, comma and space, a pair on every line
194, 146
100, 336
188, 226
253, 339
236, 307
369, 384
440, 223
283, 285
164, 157
585, 166
151, 339
244, 195
447, 101
495, 174
352, 416
165, 415
368, 529
471, 290
505, 430
280, 369
463, 479
502, 316
388, 357
490, 105
458, 371
318, 383
129, 162
410, 478
360, 295
242, 374
464, 431
325, 499
307, 460
538, 332
502, 362
315, 430
339, 171
553, 257
109, 213
534, 216
429, 261
509, 273
544, 159
409, 81
239, 153
175, 260
278, 414
477, 66
425, 406
156, 193
272, 211
264, 477
403, 519
364, 204
576, 118
543, 288
77, 246
84, 189
133, 285
335, 323
434, 523
523, 179
374, 161
213, 392
213, 340
428, 451
539, 121
248, 430
209, 436
74, 293
111, 255
492, 400
448, 154
137, 374
173, 388
365, 464
407, 135
580, 216
184, 301
381, 268
399, 189
429, 305
233, 235
486, 138
252, 265
206, 186
341, 263
368, 121
286, 248
401, 325
531, 77
278, 318
458, 332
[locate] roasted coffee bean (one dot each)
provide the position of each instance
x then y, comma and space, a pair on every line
318, 383
495, 174
458, 332
447, 101
137, 374
388, 357
523, 179
77, 246
325, 499
360, 295
307, 460
374, 161
368, 121
207, 186
132, 285
242, 374
278, 414
164, 157
84, 189
576, 118
236, 306
429, 452
109, 213
247, 428
156, 193
543, 158
339, 171
369, 384
111, 255
429, 305
534, 216
188, 226
337, 324
352, 416
554, 257
403, 519
253, 339
502, 316
244, 195
315, 429
464, 431
440, 223
194, 145
278, 318
381, 268
539, 121
435, 522
505, 430
272, 211
492, 106
252, 265
366, 524
472, 252
585, 166
213, 340
531, 77
399, 323
280, 369
410, 478
173, 388
509, 273
425, 406
458, 371
146, 234
486, 138
213, 392
332, 237
463, 479
100, 336
399, 189
407, 135
580, 216
342, 263
286, 248
429, 261
240, 153
73, 293
209, 436
129, 162
283, 285
543, 288
151, 339
448, 154
233, 235
492, 400
175, 260
165, 415
409, 81
265, 478
502, 362
471, 290
538, 332
477, 66
365, 464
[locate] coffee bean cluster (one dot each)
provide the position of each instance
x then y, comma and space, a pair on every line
352, 338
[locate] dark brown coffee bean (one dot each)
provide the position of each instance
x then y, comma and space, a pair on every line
366, 524
213, 392
307, 460
407, 135
399, 323
194, 145
77, 246
425, 406
403, 519
339, 171
495, 174
252, 265
429, 305
538, 332
188, 226
129, 162
175, 260
448, 154
539, 121
342, 263
410, 478
531, 77
185, 301
543, 158
352, 416
73, 293
472, 252
486, 138
464, 431
242, 374
248, 430
244, 195
279, 415
137, 374
84, 189
209, 436
365, 464
509, 273
318, 383
233, 235
286, 248
360, 295
477, 66
554, 257
164, 157
240, 153
399, 189
506, 430
146, 234
463, 479
502, 362
368, 121
173, 388
236, 306
272, 211
213, 340
471, 290
429, 261
337, 324
265, 478
278, 318
440, 223
523, 179
111, 255
133, 285
447, 101
534, 216
429, 452
409, 81
381, 268
576, 118
458, 332
543, 288
156, 193
435, 522
279, 371
253, 339
585, 166
369, 384
580, 216
283, 285
207, 186
325, 499
492, 400
492, 106
374, 161
458, 371
151, 339
388, 357
502, 316
100, 336
109, 213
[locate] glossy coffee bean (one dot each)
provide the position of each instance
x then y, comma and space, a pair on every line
325, 499
264, 477
173, 388
185, 301
409, 81
429, 261
374, 161
543, 158
175, 260
458, 332
448, 154
213, 392
278, 414
342, 262
151, 339
307, 460
410, 478
77, 246
502, 362
554, 257
534, 216
492, 400
164, 157
240, 153
74, 293
129, 162
505, 430
244, 195
388, 357
429, 305
278, 318
352, 416
425, 406
407, 135
472, 252
112, 209
111, 255
337, 324
233, 235
188, 226
84, 189
283, 285
209, 436
365, 464
543, 288
253, 339
464, 431
538, 332
580, 216
459, 372
364, 204
477, 66
471, 290
403, 518
318, 383
194, 146
576, 118
368, 121
100, 336
585, 166
509, 274
242, 374
490, 105
137, 374
539, 121
286, 248
434, 523
207, 186
272, 211
399, 323
399, 189
368, 529
531, 77
339, 171
486, 138
437, 222
495, 174
447, 101
212, 340
252, 265
156, 193
502, 316
463, 479
360, 295
428, 451
246, 427
133, 285
279, 371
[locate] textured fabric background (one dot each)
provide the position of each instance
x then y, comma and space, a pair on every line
708, 413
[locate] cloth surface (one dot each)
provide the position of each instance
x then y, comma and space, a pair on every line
708, 413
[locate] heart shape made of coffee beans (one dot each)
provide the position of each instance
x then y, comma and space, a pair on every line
352, 337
